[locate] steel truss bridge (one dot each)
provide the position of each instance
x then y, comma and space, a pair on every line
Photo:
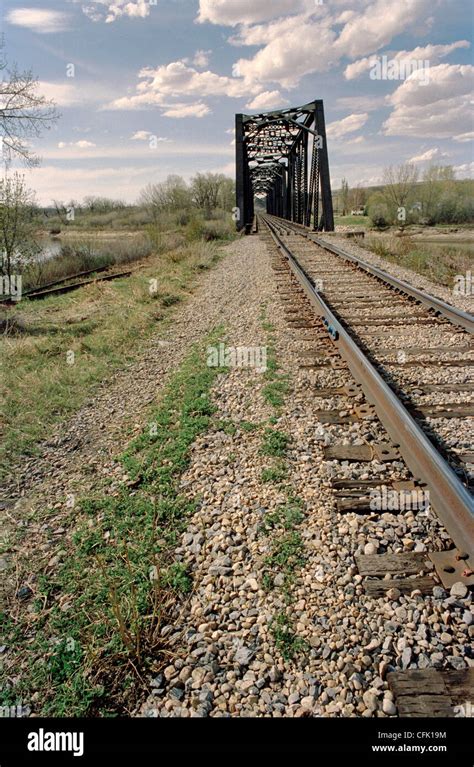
282, 156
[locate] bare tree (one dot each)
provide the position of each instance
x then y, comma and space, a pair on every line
173, 194
399, 187
227, 194
24, 113
344, 197
205, 190
357, 197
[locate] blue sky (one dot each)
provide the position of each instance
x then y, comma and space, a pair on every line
157, 83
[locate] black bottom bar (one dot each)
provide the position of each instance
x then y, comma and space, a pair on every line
374, 740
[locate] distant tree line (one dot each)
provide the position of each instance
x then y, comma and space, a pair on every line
206, 191
405, 198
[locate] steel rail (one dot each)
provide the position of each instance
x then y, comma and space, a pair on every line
453, 503
454, 315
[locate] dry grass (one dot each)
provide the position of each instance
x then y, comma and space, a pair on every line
440, 265
101, 324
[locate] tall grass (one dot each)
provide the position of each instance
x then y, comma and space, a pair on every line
439, 264
82, 255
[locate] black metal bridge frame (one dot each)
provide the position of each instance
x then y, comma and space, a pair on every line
282, 155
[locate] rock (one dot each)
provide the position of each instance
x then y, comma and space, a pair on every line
446, 638
423, 660
198, 675
177, 692
307, 702
185, 673
459, 590
438, 592
401, 614
393, 594
467, 617
253, 584
456, 662
24, 592
274, 674
370, 548
169, 672
388, 707
406, 657
243, 656
370, 700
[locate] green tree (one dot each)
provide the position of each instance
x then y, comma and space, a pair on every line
344, 197
17, 245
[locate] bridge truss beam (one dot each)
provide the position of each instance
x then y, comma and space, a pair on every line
282, 157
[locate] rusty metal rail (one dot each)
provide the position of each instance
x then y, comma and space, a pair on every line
452, 502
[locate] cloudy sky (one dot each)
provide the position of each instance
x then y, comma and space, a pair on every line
155, 84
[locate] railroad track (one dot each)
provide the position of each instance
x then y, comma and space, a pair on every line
397, 343
386, 346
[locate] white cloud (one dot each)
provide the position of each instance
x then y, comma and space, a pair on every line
430, 53
349, 124
464, 138
466, 170
267, 100
431, 154
41, 20
82, 144
161, 86
288, 44
288, 51
441, 109
198, 109
67, 94
63, 94
201, 59
233, 12
145, 135
366, 32
111, 10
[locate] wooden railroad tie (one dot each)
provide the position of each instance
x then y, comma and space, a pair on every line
432, 692
405, 564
